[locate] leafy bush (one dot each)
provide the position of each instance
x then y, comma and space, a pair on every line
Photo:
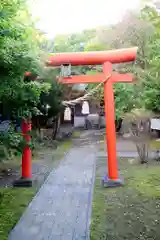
11, 143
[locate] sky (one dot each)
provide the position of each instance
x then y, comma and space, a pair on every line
68, 16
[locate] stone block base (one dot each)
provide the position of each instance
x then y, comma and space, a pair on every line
23, 182
107, 183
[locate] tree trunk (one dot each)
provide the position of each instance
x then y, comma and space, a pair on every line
56, 126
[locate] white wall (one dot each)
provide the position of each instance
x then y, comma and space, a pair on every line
79, 121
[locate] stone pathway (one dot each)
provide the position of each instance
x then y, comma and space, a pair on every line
61, 209
128, 154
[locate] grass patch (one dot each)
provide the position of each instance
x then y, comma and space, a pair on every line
63, 148
9, 164
13, 201
130, 212
12, 204
76, 134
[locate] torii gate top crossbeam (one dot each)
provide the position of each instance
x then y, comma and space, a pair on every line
93, 58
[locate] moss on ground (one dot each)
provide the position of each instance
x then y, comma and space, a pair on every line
131, 212
76, 134
12, 204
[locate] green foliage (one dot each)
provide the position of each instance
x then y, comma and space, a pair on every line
126, 98
134, 30
53, 95
150, 81
53, 99
73, 42
94, 46
10, 143
21, 51
18, 54
23, 48
151, 95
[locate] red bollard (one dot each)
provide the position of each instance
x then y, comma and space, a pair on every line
27, 154
26, 179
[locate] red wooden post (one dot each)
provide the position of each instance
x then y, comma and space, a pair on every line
27, 155
26, 178
110, 124
110, 131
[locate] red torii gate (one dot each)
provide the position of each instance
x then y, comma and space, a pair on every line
104, 58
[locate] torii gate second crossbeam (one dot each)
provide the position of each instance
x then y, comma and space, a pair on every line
104, 58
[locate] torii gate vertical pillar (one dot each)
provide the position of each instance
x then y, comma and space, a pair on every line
112, 179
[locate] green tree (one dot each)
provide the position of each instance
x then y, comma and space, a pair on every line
151, 92
19, 53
